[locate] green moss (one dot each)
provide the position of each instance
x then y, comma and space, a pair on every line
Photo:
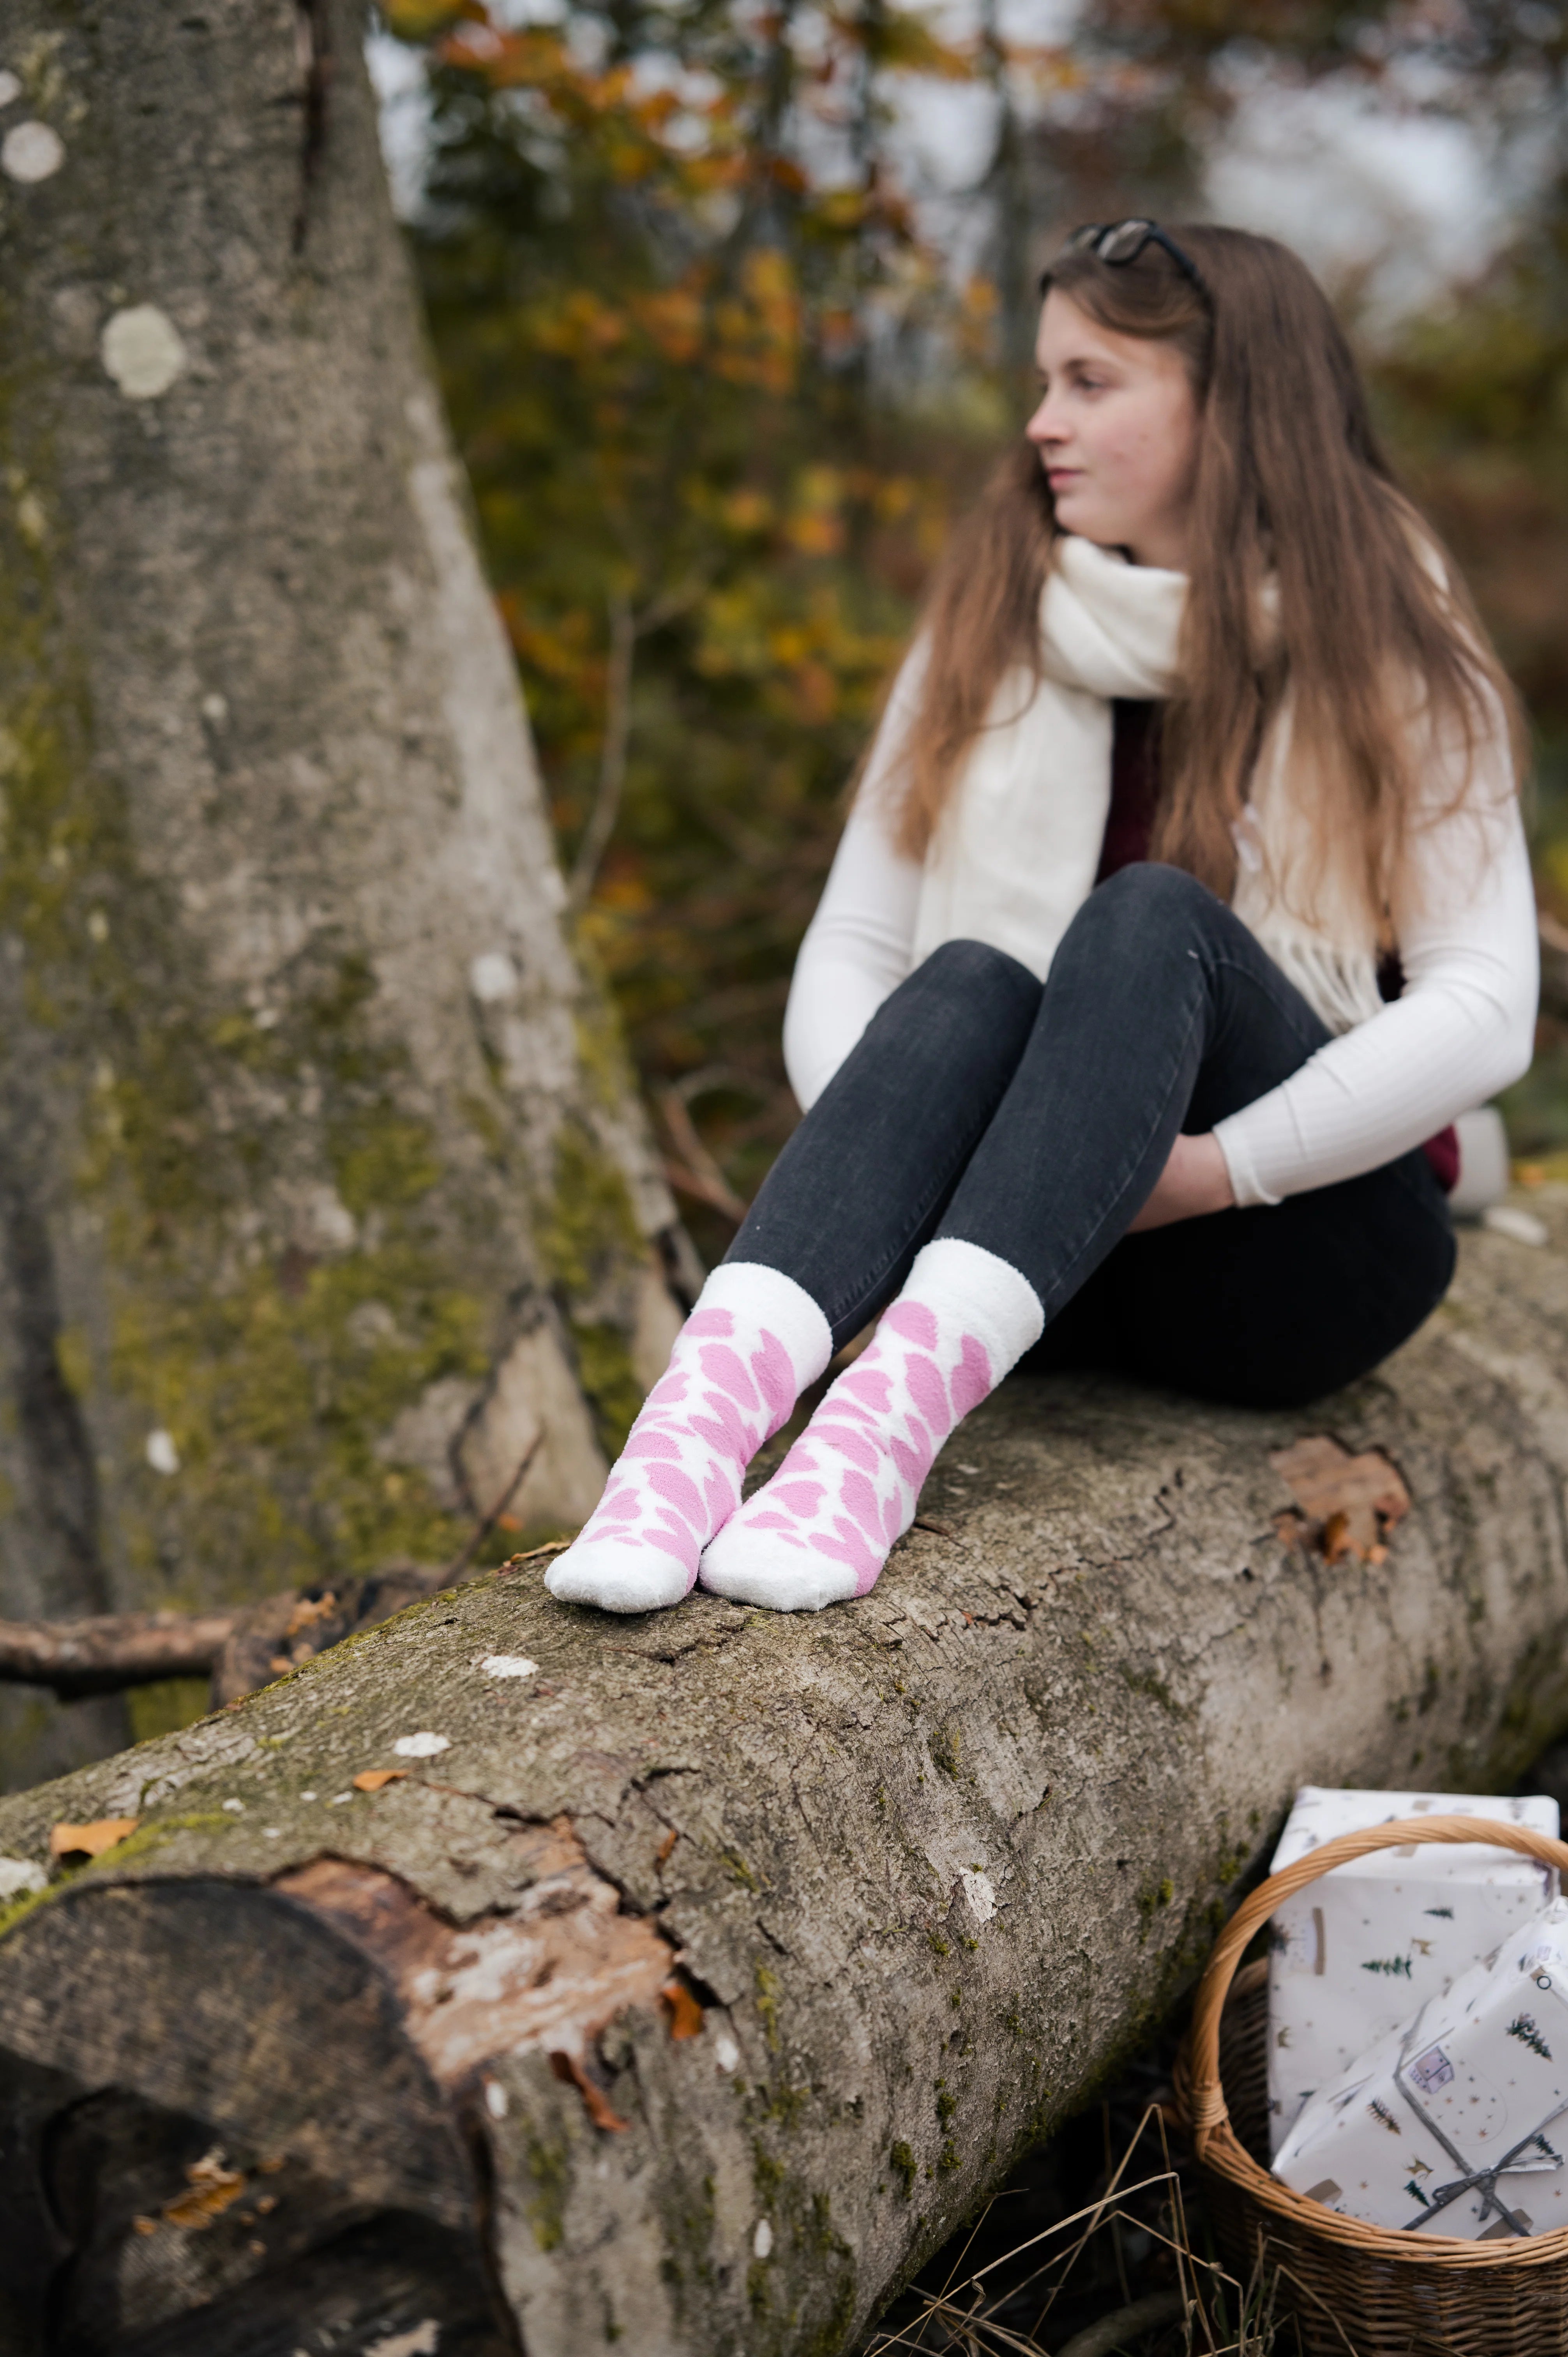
902, 2158
589, 1220
277, 1369
946, 1744
601, 1049
588, 1238
768, 2005
74, 1361
1144, 1682
1153, 1897
16, 1911
783, 2104
606, 1374
548, 2169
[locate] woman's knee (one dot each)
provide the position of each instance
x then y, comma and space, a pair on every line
975, 970
1143, 909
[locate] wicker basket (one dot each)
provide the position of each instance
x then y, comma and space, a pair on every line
1368, 2291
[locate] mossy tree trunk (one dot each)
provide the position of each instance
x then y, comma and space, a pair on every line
698, 1973
324, 1186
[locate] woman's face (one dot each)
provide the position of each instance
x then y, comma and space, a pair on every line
1117, 433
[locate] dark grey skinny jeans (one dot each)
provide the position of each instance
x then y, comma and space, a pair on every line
1035, 1120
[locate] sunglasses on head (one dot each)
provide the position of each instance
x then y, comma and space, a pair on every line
1123, 242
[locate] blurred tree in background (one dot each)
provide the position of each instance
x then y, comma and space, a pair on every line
719, 396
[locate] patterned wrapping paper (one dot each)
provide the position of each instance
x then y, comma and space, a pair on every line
1353, 1955
1457, 2122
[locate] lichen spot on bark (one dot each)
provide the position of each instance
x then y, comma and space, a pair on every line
143, 351
31, 151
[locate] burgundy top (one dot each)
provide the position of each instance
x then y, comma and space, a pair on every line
1134, 790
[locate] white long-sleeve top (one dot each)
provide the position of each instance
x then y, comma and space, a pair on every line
1464, 1027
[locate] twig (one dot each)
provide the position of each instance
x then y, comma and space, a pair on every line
1139, 2316
112, 1652
487, 1522
625, 628
699, 1174
699, 1189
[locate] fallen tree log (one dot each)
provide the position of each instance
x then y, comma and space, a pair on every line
510, 1978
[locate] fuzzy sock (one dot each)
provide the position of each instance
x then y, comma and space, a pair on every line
741, 1361
822, 1528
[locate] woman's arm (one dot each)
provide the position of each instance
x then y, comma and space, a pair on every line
859, 945
1463, 1029
856, 953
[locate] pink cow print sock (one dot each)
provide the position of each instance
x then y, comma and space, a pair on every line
822, 1528
754, 1342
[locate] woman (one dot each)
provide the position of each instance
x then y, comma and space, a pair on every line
1200, 742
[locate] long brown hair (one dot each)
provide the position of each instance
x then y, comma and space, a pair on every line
1291, 484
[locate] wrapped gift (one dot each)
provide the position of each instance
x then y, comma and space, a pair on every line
1457, 2122
1358, 1952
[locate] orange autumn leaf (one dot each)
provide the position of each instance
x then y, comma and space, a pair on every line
213, 2189
598, 2105
90, 1841
370, 1779
685, 2013
661, 1855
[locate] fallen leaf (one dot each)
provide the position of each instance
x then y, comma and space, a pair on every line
661, 1856
306, 1615
280, 1665
685, 2013
214, 2190
566, 2067
1335, 1539
90, 1841
370, 1779
1358, 1499
144, 2225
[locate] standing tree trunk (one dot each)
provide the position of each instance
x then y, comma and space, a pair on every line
524, 1978
323, 1186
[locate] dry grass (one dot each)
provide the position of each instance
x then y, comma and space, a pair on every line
1132, 2271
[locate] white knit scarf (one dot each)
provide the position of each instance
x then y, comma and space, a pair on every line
1018, 847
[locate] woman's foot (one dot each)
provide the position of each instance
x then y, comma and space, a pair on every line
751, 1346
822, 1528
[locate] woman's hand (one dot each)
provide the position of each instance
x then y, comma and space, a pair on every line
1194, 1180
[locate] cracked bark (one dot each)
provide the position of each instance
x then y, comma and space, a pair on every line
324, 1176
717, 1964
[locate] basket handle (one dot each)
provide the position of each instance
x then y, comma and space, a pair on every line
1206, 2108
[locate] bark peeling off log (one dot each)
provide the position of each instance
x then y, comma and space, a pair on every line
926, 1864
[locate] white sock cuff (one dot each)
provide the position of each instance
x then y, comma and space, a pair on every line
995, 1300
750, 1289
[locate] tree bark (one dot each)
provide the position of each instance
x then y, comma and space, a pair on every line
324, 1189
689, 1978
